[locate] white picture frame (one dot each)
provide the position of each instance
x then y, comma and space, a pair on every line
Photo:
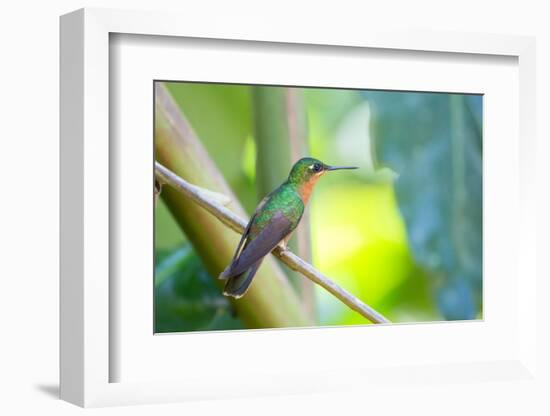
86, 356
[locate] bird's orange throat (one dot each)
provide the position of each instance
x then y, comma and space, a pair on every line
305, 189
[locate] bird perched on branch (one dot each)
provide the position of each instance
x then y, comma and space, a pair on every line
277, 215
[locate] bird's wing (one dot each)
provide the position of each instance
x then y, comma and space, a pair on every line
246, 232
247, 229
277, 229
225, 274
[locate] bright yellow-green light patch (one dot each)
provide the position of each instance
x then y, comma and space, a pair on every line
249, 158
359, 240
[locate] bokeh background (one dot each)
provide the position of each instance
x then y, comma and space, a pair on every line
403, 233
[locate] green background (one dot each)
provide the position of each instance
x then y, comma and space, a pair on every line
403, 233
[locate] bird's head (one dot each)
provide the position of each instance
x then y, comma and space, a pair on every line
306, 171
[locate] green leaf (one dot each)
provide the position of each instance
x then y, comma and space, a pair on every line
433, 142
186, 297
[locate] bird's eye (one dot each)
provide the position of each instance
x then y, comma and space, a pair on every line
316, 167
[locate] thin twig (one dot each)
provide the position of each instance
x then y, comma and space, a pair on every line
227, 217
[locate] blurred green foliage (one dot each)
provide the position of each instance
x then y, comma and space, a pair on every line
186, 297
434, 143
407, 241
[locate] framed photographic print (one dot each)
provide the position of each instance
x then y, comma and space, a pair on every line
268, 212
359, 222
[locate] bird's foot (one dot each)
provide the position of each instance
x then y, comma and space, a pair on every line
283, 246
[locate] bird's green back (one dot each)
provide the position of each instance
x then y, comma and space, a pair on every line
284, 199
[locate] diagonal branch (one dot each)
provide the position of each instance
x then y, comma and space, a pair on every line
233, 221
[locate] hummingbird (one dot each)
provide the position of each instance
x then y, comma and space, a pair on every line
274, 220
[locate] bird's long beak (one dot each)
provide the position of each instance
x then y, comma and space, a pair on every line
340, 167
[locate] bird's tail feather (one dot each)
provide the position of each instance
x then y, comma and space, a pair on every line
236, 286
